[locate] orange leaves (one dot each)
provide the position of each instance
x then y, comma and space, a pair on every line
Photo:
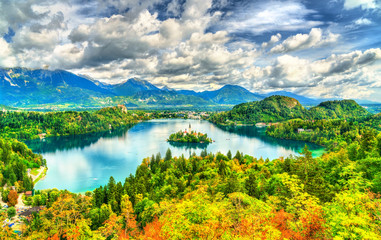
313, 223
64, 218
281, 221
129, 217
152, 231
54, 237
310, 225
12, 198
111, 227
252, 227
72, 234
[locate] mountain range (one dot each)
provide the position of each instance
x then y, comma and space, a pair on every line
21, 87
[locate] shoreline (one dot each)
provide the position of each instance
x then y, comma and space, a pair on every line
40, 175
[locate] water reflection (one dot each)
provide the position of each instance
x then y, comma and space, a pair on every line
53, 144
188, 146
252, 131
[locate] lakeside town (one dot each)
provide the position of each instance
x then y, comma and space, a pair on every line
17, 205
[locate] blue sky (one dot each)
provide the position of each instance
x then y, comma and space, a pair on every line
327, 49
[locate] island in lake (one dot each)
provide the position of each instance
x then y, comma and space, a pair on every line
189, 136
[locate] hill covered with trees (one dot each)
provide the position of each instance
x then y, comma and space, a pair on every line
16, 158
32, 125
271, 109
281, 108
344, 109
373, 121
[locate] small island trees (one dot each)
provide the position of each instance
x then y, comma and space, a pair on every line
189, 137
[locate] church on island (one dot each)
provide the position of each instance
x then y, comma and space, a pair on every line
190, 129
189, 136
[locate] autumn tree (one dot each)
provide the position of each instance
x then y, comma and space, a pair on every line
153, 230
65, 219
111, 228
128, 216
12, 198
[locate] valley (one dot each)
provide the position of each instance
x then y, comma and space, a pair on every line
90, 157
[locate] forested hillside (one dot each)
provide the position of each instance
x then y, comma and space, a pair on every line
333, 134
373, 121
280, 108
16, 158
344, 109
272, 109
28, 125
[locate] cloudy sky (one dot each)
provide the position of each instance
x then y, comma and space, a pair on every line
317, 48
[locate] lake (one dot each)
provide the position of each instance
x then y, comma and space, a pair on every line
84, 162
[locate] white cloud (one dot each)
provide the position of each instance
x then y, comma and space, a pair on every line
194, 9
167, 48
302, 41
6, 55
262, 17
274, 39
359, 23
363, 21
332, 76
134, 7
44, 39
66, 56
116, 38
174, 8
364, 4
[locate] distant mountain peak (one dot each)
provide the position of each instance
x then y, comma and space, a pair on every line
232, 86
168, 89
135, 80
131, 87
140, 81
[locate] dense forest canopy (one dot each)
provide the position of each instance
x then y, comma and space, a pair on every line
344, 109
281, 108
28, 125
16, 158
272, 109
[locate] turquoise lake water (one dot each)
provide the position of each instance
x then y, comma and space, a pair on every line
84, 162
